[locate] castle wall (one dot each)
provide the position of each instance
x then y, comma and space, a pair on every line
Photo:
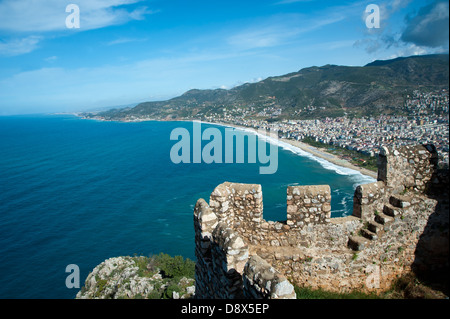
224, 269
239, 254
369, 198
330, 264
410, 167
262, 281
308, 204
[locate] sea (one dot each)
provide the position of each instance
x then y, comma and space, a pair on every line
77, 192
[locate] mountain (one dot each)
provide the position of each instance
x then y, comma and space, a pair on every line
314, 92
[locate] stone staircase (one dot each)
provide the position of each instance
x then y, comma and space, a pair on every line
375, 229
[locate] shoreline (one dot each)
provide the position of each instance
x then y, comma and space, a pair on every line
331, 158
314, 151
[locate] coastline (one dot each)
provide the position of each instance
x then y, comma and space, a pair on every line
331, 158
314, 151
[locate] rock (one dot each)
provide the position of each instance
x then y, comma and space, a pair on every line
190, 290
283, 288
119, 278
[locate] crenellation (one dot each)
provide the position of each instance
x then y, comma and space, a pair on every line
308, 205
395, 227
367, 199
409, 167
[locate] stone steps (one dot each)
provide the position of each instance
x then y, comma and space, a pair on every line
357, 243
392, 211
400, 201
383, 219
376, 228
369, 234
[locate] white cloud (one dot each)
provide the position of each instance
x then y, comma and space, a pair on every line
19, 46
429, 27
260, 38
50, 15
280, 30
425, 33
412, 49
126, 40
51, 58
287, 28
27, 22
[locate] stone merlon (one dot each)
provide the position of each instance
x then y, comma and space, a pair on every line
399, 224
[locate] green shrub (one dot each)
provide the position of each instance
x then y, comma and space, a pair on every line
175, 267
155, 294
168, 294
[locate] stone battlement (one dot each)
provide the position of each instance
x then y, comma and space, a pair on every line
241, 255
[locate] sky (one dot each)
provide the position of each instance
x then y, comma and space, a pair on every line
124, 52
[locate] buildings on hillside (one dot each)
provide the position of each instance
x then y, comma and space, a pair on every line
428, 123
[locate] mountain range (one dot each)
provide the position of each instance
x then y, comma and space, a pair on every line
377, 88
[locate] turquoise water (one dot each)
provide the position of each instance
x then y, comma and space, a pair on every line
78, 192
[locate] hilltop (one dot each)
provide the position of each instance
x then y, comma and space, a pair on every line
377, 88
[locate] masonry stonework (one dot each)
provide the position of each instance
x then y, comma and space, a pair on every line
397, 226
308, 205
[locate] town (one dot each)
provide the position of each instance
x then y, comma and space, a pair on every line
426, 122
422, 119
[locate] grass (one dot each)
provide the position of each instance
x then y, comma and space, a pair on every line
408, 286
354, 157
308, 293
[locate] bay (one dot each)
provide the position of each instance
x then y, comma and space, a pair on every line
76, 191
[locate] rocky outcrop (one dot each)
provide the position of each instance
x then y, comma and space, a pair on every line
132, 278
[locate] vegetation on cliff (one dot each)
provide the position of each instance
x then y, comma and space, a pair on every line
165, 277
156, 277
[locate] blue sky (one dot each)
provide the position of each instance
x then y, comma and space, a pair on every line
131, 51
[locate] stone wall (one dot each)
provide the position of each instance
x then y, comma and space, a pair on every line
224, 269
262, 281
369, 198
308, 204
239, 254
411, 167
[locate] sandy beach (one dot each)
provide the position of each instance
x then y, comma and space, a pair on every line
330, 157
312, 150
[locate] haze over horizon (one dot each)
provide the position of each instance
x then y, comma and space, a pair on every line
131, 51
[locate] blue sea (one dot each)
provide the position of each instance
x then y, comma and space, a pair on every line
76, 191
